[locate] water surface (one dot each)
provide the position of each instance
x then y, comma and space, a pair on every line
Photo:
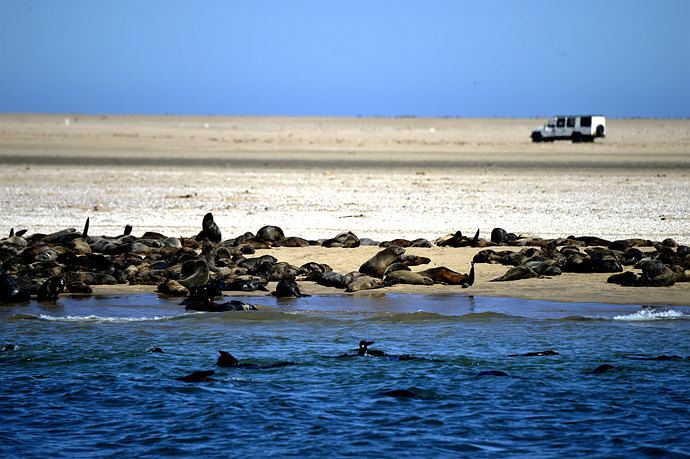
81, 382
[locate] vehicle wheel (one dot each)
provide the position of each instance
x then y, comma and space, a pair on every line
577, 137
536, 137
600, 131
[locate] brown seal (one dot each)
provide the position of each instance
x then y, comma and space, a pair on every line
376, 266
407, 277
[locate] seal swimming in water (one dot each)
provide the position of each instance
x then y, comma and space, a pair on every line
208, 305
197, 376
602, 369
536, 354
492, 373
363, 349
376, 266
227, 360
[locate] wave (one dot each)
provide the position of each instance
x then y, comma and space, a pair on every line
268, 315
422, 316
91, 318
581, 318
648, 314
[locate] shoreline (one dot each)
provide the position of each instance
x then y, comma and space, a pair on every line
383, 178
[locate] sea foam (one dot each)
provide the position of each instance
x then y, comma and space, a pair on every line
647, 314
99, 319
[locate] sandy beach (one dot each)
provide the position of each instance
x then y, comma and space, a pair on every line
380, 178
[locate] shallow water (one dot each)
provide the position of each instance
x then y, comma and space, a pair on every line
81, 381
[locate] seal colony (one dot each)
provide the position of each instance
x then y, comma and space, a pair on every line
202, 267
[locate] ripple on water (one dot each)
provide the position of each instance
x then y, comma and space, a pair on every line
81, 384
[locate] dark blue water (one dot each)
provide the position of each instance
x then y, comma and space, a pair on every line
81, 382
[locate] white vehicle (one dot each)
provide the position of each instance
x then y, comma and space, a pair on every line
578, 128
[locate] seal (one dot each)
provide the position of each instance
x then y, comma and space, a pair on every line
227, 360
270, 234
208, 305
197, 376
245, 285
376, 266
51, 288
363, 349
407, 277
656, 357
396, 267
200, 275
346, 240
288, 288
209, 229
602, 369
11, 292
330, 279
536, 354
443, 275
172, 287
358, 281
516, 273
492, 373
413, 260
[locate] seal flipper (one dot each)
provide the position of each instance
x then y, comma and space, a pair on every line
226, 359
128, 230
85, 233
470, 280
475, 239
11, 232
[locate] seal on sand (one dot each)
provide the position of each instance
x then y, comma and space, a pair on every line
407, 277
443, 275
199, 277
51, 288
11, 292
288, 288
376, 266
358, 282
516, 273
209, 229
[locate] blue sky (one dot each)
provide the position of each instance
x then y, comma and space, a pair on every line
346, 58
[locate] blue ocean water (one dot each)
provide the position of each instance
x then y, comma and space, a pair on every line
80, 381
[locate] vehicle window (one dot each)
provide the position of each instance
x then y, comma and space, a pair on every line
586, 121
571, 122
560, 123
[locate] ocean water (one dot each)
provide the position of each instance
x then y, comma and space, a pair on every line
81, 383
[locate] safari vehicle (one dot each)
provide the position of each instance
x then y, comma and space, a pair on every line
578, 128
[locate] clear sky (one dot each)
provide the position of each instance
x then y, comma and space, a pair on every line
355, 58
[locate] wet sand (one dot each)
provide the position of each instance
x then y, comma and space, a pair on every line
380, 178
